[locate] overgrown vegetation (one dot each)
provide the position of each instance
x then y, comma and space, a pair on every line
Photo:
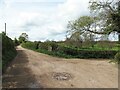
16, 42
8, 50
66, 51
117, 58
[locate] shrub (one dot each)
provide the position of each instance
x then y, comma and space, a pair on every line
36, 44
8, 50
67, 51
16, 42
44, 45
30, 45
54, 46
96, 54
105, 45
48, 45
73, 43
117, 57
88, 44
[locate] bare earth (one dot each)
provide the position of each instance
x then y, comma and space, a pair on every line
36, 70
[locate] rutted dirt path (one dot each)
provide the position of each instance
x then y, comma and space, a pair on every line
35, 70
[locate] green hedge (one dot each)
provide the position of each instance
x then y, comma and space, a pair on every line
30, 45
96, 54
8, 50
46, 45
87, 53
69, 52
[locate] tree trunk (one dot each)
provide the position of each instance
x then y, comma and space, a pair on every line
119, 37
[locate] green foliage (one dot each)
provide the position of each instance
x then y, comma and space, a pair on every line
48, 45
66, 51
8, 50
73, 43
23, 38
74, 52
81, 25
7, 44
109, 13
105, 45
44, 45
117, 57
16, 42
30, 45
88, 44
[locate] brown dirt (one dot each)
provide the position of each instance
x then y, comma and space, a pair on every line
36, 70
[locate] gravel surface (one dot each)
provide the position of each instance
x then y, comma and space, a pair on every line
36, 70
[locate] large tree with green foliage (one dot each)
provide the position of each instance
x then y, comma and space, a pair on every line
104, 20
85, 25
109, 14
23, 37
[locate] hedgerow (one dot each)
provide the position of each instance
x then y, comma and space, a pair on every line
69, 52
8, 50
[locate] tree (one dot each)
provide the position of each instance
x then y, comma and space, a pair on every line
109, 12
76, 37
106, 19
84, 25
23, 37
16, 42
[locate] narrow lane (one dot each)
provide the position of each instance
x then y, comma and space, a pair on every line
32, 69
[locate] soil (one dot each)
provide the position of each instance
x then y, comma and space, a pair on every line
36, 70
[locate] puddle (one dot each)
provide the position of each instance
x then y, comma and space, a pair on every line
61, 76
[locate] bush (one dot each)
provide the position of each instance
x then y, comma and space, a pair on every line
67, 51
86, 53
96, 54
117, 57
8, 50
105, 45
30, 45
48, 45
44, 45
88, 44
16, 42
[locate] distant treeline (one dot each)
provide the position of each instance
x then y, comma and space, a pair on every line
8, 50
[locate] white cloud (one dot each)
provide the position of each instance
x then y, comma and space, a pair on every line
41, 23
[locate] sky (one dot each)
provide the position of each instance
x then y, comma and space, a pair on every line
40, 19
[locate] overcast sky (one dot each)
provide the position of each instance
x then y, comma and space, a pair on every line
40, 19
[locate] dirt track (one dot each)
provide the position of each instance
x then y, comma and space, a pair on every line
35, 70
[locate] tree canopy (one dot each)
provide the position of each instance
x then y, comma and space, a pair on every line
104, 18
109, 13
23, 37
